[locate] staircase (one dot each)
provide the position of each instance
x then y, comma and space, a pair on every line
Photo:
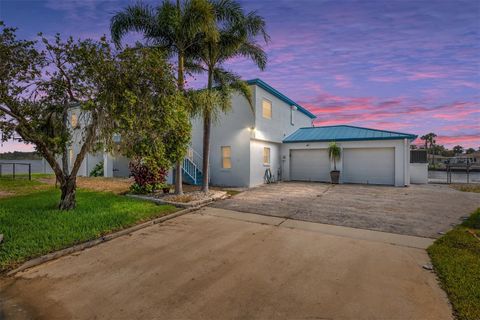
192, 168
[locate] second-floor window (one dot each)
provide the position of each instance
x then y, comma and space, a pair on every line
226, 157
267, 109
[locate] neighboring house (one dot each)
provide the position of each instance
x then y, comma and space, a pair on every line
437, 159
472, 158
278, 135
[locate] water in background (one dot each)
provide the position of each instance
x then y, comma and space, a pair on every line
457, 177
38, 166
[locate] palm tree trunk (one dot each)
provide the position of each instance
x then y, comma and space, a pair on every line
207, 125
433, 153
178, 167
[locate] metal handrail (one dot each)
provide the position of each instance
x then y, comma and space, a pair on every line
188, 167
197, 160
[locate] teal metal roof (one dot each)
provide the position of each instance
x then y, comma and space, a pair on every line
344, 133
265, 86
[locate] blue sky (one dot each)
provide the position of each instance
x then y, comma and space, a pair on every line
411, 66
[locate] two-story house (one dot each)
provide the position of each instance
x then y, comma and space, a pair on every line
244, 144
278, 136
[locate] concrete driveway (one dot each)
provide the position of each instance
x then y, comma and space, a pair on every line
419, 210
219, 264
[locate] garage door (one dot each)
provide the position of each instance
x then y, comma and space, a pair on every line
369, 165
309, 165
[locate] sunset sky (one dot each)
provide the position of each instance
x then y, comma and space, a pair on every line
409, 66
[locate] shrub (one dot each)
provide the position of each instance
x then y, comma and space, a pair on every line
148, 175
97, 171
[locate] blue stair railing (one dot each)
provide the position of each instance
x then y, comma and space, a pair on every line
192, 167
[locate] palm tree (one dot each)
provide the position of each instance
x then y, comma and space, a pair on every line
430, 142
177, 28
237, 33
457, 150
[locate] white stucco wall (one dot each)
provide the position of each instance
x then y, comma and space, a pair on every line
419, 173
90, 159
257, 167
279, 126
230, 129
244, 130
402, 155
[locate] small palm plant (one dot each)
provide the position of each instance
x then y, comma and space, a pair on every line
334, 153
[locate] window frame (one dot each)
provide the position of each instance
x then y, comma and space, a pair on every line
271, 108
223, 157
269, 154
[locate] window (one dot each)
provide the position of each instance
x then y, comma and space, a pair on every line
266, 156
226, 157
267, 109
74, 121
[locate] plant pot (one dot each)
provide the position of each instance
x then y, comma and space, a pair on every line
166, 190
335, 176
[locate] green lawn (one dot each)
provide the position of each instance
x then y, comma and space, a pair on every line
32, 225
22, 185
456, 259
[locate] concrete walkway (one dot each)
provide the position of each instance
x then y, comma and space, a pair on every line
219, 264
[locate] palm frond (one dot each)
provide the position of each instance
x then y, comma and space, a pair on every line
228, 82
254, 52
255, 26
198, 19
194, 66
139, 17
228, 11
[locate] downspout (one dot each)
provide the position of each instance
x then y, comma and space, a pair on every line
405, 162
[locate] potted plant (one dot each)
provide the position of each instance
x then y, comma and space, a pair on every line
334, 153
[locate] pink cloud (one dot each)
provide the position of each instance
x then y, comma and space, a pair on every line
342, 81
468, 140
426, 75
10, 146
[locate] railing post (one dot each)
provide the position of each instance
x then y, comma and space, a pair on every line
0, 170
14, 171
30, 171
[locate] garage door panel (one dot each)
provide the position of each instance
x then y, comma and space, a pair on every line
369, 166
309, 165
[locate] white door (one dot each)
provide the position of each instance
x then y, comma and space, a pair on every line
369, 166
309, 165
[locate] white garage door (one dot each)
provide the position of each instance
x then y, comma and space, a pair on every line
369, 165
309, 165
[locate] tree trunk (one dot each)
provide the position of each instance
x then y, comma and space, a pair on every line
67, 200
178, 178
207, 124
178, 168
433, 154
